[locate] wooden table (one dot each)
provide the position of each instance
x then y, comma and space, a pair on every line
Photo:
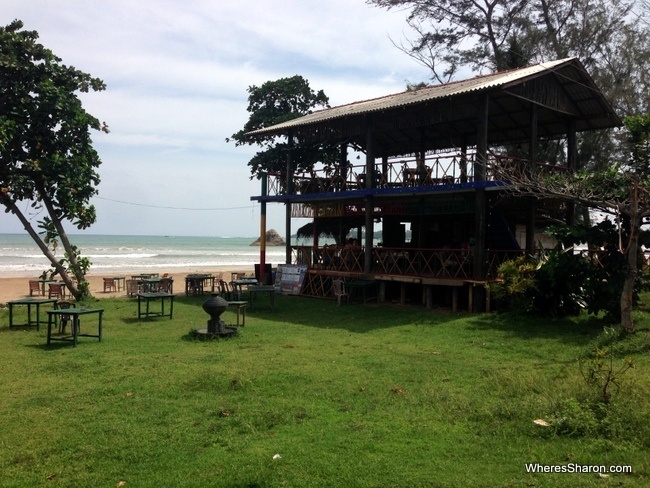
149, 297
74, 314
238, 285
150, 284
196, 283
118, 280
29, 301
253, 290
144, 276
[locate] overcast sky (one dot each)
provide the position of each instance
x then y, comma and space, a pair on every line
177, 72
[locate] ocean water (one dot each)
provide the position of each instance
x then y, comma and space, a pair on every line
19, 255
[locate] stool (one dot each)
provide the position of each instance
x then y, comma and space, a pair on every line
241, 307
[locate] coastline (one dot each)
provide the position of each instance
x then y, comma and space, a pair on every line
13, 287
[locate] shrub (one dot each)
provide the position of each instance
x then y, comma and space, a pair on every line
559, 282
516, 290
573, 419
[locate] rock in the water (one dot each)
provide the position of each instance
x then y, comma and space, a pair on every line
272, 239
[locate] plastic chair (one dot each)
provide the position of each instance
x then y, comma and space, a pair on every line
339, 291
34, 287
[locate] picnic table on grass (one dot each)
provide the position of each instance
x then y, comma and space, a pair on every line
74, 314
253, 290
147, 298
29, 301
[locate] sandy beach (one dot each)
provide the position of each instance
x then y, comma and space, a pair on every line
14, 287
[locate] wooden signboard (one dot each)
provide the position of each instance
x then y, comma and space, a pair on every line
290, 278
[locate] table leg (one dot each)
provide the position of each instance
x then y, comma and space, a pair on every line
49, 329
29, 315
75, 331
171, 307
100, 326
11, 315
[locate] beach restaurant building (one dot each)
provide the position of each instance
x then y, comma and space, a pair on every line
429, 177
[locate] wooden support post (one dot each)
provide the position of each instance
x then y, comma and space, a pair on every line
484, 287
262, 232
343, 164
289, 190
532, 203
480, 211
571, 158
370, 180
428, 296
382, 292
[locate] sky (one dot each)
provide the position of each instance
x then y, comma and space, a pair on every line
177, 73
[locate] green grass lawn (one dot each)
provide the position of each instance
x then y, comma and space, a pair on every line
381, 396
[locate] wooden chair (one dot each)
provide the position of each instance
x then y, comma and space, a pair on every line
166, 285
132, 287
225, 291
56, 290
34, 287
109, 285
194, 286
339, 291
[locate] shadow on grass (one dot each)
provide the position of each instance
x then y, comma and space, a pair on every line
573, 330
56, 345
319, 313
194, 336
356, 318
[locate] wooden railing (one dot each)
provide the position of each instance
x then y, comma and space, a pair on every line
430, 263
402, 173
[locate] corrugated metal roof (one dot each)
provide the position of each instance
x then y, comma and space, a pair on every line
479, 83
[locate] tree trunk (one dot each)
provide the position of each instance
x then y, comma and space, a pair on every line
56, 220
46, 251
627, 293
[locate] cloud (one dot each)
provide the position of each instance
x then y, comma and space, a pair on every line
177, 75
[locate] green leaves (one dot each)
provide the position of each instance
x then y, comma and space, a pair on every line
276, 102
44, 130
46, 153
